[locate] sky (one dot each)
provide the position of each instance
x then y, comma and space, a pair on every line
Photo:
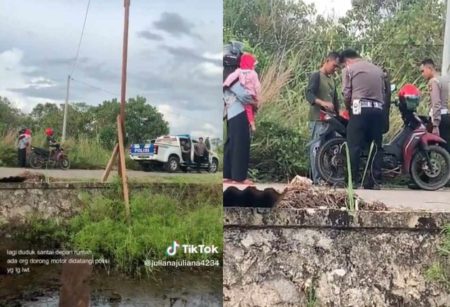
331, 8
174, 56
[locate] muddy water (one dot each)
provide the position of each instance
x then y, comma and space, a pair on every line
49, 285
42, 287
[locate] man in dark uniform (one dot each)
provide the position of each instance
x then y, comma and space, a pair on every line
364, 96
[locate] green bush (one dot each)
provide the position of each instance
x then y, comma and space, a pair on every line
156, 221
277, 152
8, 155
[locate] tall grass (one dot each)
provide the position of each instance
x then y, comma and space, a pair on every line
157, 219
84, 152
440, 270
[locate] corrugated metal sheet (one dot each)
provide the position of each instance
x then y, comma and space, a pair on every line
13, 179
242, 196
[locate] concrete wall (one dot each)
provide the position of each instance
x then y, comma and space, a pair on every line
18, 201
281, 257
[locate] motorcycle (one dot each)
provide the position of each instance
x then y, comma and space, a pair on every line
413, 150
40, 157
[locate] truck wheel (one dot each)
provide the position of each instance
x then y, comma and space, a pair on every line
214, 166
173, 164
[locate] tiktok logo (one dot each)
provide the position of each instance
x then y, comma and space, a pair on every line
172, 249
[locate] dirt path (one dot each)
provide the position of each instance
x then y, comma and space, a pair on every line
95, 175
397, 198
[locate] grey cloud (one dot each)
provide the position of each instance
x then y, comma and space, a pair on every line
43, 82
54, 93
57, 92
190, 54
150, 35
66, 61
175, 25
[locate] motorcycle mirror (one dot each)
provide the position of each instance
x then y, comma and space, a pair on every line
393, 87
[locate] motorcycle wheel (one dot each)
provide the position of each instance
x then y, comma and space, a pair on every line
331, 161
435, 178
64, 163
36, 161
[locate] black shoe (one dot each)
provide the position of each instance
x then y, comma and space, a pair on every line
413, 186
373, 186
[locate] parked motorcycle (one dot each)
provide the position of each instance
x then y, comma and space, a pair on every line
40, 157
413, 151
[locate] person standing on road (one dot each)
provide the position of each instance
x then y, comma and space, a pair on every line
186, 150
363, 91
322, 95
237, 100
23, 146
438, 88
200, 150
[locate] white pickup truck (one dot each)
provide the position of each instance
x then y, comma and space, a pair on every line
166, 152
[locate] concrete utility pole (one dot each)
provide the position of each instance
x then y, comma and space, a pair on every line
446, 52
66, 107
124, 61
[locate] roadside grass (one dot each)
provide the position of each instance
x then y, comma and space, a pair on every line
440, 270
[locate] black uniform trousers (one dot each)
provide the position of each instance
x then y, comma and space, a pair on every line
362, 130
444, 129
22, 157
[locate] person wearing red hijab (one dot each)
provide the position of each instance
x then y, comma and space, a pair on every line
249, 79
240, 119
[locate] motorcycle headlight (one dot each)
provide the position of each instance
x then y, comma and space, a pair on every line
412, 102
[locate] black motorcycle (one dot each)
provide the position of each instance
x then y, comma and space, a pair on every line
413, 151
56, 158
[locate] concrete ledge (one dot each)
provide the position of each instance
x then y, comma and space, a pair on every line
331, 218
94, 185
19, 201
278, 257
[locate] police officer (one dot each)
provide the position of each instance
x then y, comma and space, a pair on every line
364, 96
438, 88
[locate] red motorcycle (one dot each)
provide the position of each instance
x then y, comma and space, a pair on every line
414, 150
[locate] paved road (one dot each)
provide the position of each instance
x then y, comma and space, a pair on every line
397, 198
90, 174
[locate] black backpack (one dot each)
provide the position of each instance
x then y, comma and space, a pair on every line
231, 57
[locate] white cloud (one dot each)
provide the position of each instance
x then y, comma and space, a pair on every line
331, 8
210, 69
13, 76
213, 56
207, 130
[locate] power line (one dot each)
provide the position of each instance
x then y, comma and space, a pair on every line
81, 38
94, 87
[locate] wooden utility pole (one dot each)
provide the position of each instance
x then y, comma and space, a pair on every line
119, 149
